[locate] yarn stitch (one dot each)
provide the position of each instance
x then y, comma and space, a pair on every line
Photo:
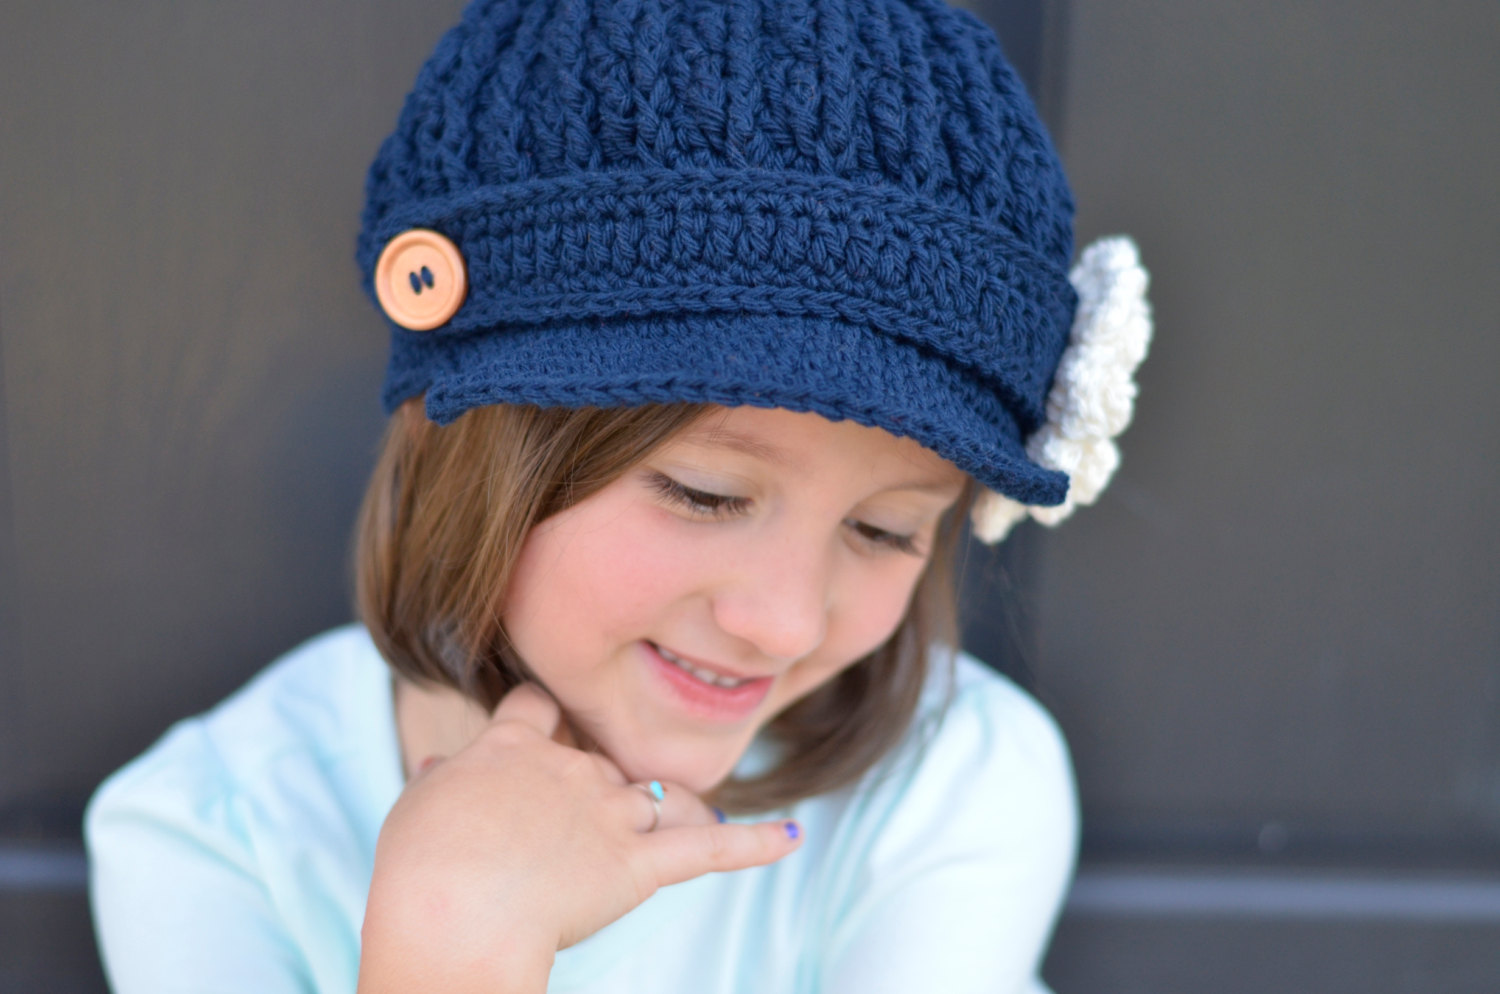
1093, 394
848, 207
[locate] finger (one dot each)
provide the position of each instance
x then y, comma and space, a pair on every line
676, 806
646, 801
566, 735
678, 854
608, 770
531, 706
681, 807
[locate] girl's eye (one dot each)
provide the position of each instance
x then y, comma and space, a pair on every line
713, 505
698, 501
885, 539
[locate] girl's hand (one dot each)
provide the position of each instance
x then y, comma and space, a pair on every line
519, 846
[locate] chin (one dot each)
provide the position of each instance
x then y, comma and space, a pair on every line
698, 772
705, 783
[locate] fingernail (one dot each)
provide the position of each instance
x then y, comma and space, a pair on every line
719, 815
657, 790
792, 831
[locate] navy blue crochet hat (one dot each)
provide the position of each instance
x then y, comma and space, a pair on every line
843, 206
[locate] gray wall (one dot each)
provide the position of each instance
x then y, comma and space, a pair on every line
1287, 611
1273, 644
190, 368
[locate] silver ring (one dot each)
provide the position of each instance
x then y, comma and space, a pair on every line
656, 792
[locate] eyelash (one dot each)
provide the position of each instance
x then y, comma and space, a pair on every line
698, 501
719, 506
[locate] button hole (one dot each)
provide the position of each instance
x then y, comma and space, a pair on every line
416, 284
427, 276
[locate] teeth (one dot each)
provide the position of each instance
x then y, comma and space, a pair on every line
704, 675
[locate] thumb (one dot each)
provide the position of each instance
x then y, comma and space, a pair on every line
678, 854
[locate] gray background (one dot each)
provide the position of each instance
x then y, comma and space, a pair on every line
1273, 644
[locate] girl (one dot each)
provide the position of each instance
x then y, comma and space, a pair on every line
711, 324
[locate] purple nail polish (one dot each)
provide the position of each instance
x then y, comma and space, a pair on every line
792, 831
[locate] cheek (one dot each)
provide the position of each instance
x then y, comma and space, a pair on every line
869, 613
588, 576
627, 578
878, 606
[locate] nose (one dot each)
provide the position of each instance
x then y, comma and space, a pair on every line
778, 598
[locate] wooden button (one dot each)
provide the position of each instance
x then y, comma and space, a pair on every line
420, 279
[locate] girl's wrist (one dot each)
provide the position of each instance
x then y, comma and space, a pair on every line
409, 943
405, 963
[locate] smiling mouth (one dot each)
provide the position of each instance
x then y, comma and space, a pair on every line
697, 672
705, 694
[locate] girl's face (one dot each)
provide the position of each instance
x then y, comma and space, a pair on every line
747, 561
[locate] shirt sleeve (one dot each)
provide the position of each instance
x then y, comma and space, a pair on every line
963, 882
177, 903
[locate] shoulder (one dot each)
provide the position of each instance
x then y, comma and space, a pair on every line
945, 866
1006, 718
975, 724
247, 831
984, 771
327, 696
307, 709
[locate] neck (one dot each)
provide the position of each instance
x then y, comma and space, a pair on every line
433, 722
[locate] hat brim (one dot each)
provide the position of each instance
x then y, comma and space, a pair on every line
840, 370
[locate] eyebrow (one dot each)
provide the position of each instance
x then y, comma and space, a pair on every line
727, 439
737, 442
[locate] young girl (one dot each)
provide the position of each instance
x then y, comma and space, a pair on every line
711, 323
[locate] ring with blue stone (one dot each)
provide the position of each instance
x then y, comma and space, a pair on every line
656, 792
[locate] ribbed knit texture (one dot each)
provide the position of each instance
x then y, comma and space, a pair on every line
845, 206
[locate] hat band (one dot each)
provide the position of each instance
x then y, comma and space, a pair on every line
759, 242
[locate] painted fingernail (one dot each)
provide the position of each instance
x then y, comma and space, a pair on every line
719, 815
657, 790
792, 831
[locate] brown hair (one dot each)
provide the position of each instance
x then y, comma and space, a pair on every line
442, 524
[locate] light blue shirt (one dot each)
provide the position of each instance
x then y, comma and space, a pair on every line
236, 853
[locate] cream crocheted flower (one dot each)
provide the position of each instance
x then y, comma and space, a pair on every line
1093, 393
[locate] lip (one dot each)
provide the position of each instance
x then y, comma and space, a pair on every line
711, 667
720, 704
